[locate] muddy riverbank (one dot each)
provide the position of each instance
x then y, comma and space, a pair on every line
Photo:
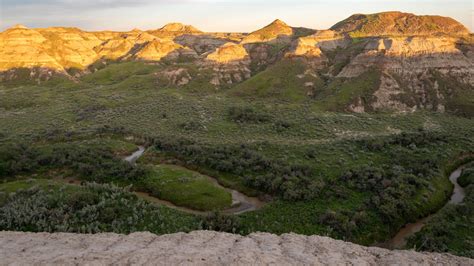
400, 239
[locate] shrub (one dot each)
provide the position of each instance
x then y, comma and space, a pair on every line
281, 125
191, 126
246, 115
290, 181
16, 159
92, 208
220, 222
467, 177
92, 164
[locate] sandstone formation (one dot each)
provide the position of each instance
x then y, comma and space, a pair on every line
173, 30
156, 50
311, 47
202, 248
61, 49
203, 43
71, 47
409, 66
177, 77
399, 24
23, 47
411, 54
228, 53
229, 63
278, 31
121, 45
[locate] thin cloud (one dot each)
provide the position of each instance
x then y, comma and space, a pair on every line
19, 4
212, 15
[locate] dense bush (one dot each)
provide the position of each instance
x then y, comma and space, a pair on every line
467, 177
392, 186
61, 135
17, 158
93, 208
191, 126
246, 115
342, 223
291, 182
89, 112
92, 164
220, 222
450, 230
410, 140
281, 125
419, 138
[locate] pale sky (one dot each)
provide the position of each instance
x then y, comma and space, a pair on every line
213, 15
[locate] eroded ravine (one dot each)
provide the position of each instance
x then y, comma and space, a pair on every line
400, 239
241, 203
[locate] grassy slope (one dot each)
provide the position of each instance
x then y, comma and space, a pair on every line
341, 93
154, 157
279, 81
186, 188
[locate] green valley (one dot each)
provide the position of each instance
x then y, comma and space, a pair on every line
349, 133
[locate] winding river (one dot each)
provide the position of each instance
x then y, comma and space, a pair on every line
399, 241
136, 155
241, 203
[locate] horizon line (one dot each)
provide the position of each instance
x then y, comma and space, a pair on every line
87, 29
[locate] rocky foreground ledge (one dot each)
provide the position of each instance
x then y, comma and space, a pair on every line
201, 248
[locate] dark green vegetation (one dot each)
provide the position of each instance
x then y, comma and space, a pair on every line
467, 176
46, 206
358, 177
88, 162
450, 230
96, 162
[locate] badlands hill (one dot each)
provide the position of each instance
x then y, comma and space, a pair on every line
388, 61
399, 24
202, 248
271, 33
